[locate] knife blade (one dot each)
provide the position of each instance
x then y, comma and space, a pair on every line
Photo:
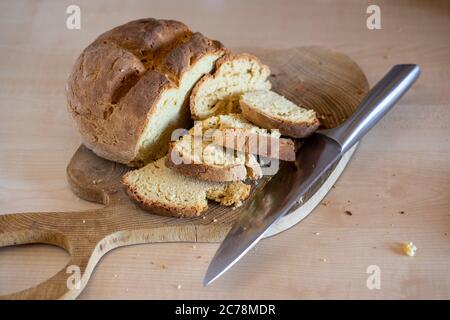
294, 179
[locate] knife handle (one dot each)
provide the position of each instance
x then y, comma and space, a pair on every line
375, 105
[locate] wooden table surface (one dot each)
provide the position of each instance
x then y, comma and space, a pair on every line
397, 186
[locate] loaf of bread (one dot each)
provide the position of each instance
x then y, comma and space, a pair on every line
270, 110
128, 90
163, 191
219, 93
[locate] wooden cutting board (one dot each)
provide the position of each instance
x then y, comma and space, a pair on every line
329, 82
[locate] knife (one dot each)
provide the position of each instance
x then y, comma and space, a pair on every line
293, 179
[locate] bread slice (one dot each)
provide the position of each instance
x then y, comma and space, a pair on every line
163, 191
258, 144
222, 148
270, 110
235, 132
219, 93
197, 157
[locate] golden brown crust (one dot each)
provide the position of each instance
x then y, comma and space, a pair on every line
291, 129
207, 77
234, 56
117, 80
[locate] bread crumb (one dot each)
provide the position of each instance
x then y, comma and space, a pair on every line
163, 266
214, 220
203, 217
409, 249
317, 233
179, 286
198, 257
402, 212
194, 246
115, 276
84, 221
348, 212
324, 259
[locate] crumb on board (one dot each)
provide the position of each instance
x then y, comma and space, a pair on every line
348, 212
163, 266
178, 286
323, 259
194, 246
84, 221
214, 220
317, 233
199, 257
409, 249
402, 212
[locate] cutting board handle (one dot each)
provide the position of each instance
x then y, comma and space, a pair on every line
84, 248
87, 236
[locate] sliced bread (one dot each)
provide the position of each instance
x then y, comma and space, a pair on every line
235, 132
222, 148
219, 93
166, 192
197, 157
270, 110
258, 144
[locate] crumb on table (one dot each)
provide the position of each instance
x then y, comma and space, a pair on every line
409, 249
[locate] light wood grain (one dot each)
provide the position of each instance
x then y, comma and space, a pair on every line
401, 165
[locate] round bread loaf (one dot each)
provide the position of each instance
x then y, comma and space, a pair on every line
128, 90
